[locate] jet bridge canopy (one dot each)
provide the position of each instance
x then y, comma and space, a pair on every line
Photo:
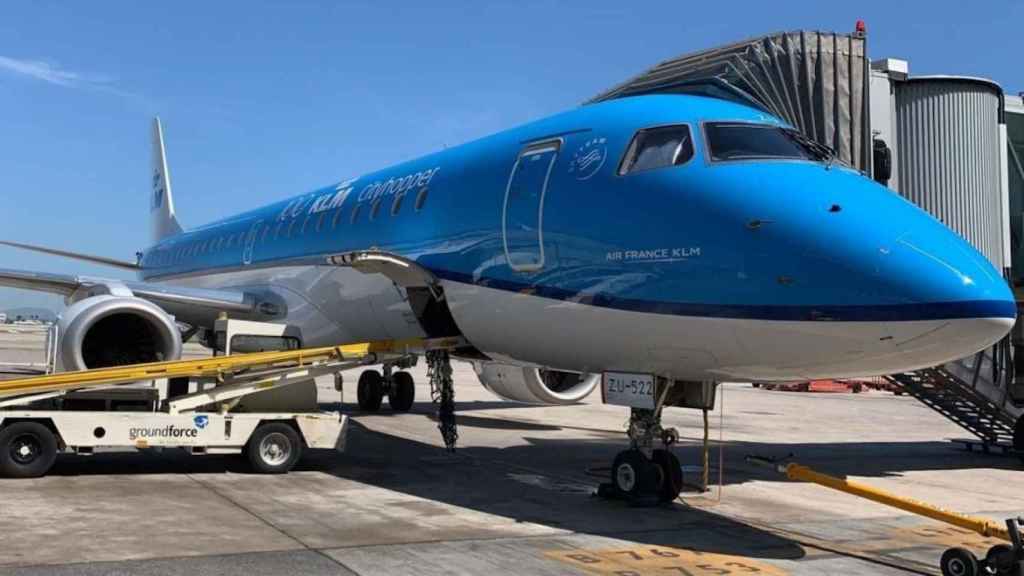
816, 81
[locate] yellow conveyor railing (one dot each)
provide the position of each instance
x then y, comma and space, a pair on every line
212, 367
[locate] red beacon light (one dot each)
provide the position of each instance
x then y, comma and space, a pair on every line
860, 28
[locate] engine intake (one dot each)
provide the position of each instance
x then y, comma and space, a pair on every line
104, 331
535, 385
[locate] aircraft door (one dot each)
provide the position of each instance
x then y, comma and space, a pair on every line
523, 211
250, 242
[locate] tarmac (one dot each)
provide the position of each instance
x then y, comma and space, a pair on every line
517, 496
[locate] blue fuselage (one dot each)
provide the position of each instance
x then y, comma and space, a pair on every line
545, 210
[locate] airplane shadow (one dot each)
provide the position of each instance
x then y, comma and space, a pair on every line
548, 480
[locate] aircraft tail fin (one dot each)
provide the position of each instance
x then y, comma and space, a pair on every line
163, 222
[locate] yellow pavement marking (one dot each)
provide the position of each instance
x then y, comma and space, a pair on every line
640, 560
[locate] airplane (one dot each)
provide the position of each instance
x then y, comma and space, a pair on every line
694, 238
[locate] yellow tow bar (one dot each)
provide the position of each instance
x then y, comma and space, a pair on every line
1001, 559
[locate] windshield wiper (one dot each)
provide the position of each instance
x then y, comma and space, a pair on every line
822, 152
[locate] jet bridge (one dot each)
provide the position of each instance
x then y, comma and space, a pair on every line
817, 81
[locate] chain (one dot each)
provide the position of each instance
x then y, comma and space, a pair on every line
442, 393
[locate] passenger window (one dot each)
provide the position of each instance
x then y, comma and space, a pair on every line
397, 204
374, 209
355, 213
421, 199
657, 148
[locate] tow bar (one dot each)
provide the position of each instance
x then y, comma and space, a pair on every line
1001, 559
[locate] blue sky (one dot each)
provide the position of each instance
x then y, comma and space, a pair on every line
265, 100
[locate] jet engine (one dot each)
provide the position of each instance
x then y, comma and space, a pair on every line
104, 330
533, 385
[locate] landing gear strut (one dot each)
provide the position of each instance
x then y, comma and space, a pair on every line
645, 475
1018, 438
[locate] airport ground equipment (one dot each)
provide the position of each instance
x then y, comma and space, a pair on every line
34, 425
978, 394
1001, 559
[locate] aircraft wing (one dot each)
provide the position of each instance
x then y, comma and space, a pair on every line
189, 305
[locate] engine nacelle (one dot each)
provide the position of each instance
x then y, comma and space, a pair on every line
103, 331
535, 385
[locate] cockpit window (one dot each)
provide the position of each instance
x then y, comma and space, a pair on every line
658, 147
743, 141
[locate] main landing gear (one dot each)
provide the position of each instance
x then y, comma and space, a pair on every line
399, 387
645, 475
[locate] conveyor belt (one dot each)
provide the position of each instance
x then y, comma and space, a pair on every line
214, 367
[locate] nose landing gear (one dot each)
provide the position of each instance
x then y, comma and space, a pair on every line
644, 475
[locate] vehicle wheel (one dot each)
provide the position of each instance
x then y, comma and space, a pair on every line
959, 562
1001, 559
403, 392
671, 475
273, 448
633, 475
27, 450
370, 391
1018, 438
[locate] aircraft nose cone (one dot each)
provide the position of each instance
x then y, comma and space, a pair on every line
939, 269
961, 300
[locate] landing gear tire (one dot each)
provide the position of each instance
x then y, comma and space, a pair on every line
959, 562
633, 475
403, 392
370, 391
27, 450
671, 475
273, 448
1001, 559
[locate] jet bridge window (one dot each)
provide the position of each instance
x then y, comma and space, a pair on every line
657, 148
745, 141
